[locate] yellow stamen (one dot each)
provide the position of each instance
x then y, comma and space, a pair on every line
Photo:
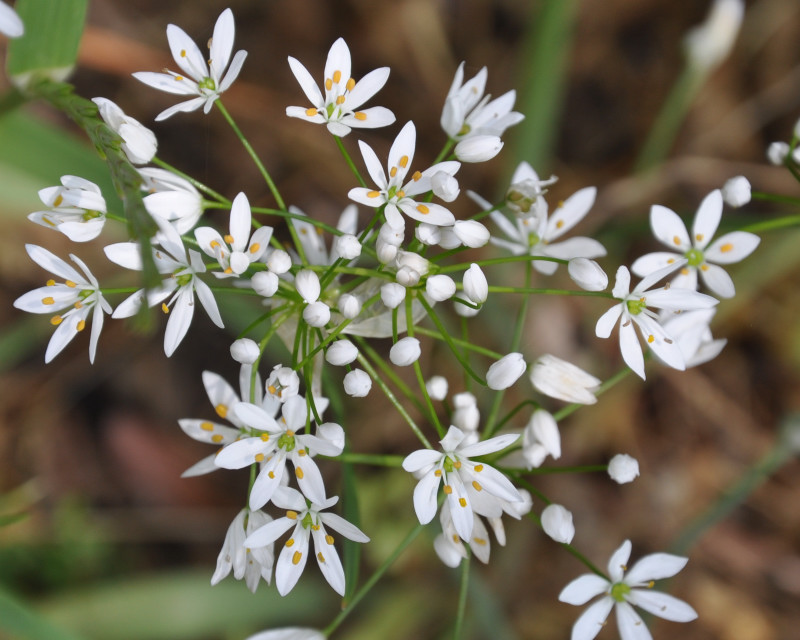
373, 194
296, 557
416, 176
271, 475
164, 307
328, 84
360, 115
462, 502
401, 194
457, 464
676, 240
340, 100
329, 539
59, 199
183, 53
302, 453
477, 485
290, 542
259, 457
423, 209
699, 237
214, 244
321, 557
651, 339
438, 473
56, 320
207, 426
264, 437
271, 388
704, 267
299, 473
311, 112
292, 515
393, 172
448, 489
179, 78
222, 410
216, 438
81, 325
350, 84
228, 238
48, 300
726, 247
337, 76
50, 283
559, 224
70, 284
684, 272
403, 162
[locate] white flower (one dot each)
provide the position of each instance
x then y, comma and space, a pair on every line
250, 564
436, 387
349, 305
777, 152
506, 371
540, 438
181, 281
461, 476
265, 283
245, 351
467, 113
308, 522
204, 80
277, 441
709, 43
357, 383
440, 287
471, 233
448, 544
341, 352
622, 591
444, 186
634, 308
398, 197
171, 198
283, 383
78, 209
623, 468
557, 523
475, 285
237, 250
692, 333
702, 256
560, 379
478, 148
405, 352
587, 274
317, 314
288, 633
736, 191
77, 297
536, 234
339, 106
138, 142
10, 24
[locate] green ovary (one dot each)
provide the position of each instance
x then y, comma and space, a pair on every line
91, 215
286, 442
619, 591
208, 84
183, 280
635, 307
695, 257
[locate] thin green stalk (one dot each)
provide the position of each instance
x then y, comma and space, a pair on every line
461, 342
391, 397
222, 200
462, 597
374, 459
373, 579
349, 161
771, 225
365, 348
445, 150
550, 292
618, 377
774, 197
418, 370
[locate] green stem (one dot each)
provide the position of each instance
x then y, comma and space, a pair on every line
461, 342
462, 597
550, 292
375, 459
349, 161
223, 201
418, 370
365, 348
771, 225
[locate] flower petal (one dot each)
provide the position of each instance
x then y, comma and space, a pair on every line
732, 247
583, 588
707, 218
662, 605
630, 624
605, 323
425, 497
717, 280
221, 44
570, 213
619, 561
307, 83
328, 560
654, 567
669, 229
588, 625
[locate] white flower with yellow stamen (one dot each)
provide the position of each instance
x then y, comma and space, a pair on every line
339, 106
309, 522
77, 209
459, 473
250, 564
702, 256
275, 441
398, 197
237, 250
72, 300
204, 80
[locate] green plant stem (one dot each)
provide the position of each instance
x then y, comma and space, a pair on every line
349, 161
461, 342
374, 459
462, 597
772, 225
373, 579
618, 377
550, 292
223, 201
418, 370
365, 348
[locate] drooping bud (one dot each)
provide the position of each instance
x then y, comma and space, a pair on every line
405, 352
245, 351
357, 383
476, 287
736, 191
506, 371
557, 523
341, 352
587, 274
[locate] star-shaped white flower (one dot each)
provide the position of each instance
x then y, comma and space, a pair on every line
77, 209
463, 479
138, 142
171, 198
635, 308
397, 196
250, 564
702, 256
182, 282
536, 234
339, 106
622, 591
201, 79
237, 250
309, 522
76, 297
273, 441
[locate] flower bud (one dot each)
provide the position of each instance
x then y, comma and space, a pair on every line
405, 352
407, 276
283, 383
587, 274
138, 142
245, 351
348, 246
709, 43
307, 284
444, 186
557, 523
437, 388
623, 468
541, 438
466, 415
440, 287
392, 294
390, 235
317, 314
471, 233
560, 379
264, 283
736, 191
428, 234
506, 371
475, 286
349, 305
341, 352
478, 148
463, 310
279, 261
777, 152
384, 251
413, 261
357, 383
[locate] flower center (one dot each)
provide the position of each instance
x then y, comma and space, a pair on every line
184, 279
695, 257
619, 591
533, 240
635, 307
207, 84
464, 130
90, 215
287, 441
449, 464
307, 521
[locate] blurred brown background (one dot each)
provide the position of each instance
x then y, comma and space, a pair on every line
97, 453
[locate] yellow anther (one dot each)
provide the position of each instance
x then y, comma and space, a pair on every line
299, 473
651, 339
462, 502
222, 410
699, 237
290, 542
81, 325
315, 527
228, 238
423, 209
329, 539
292, 515
259, 457
207, 426
337, 76
264, 437
559, 224
214, 244
340, 100
255, 248
703, 267
478, 467
684, 272
50, 283
448, 489
416, 176
302, 453
289, 432
403, 162
393, 172
59, 199
311, 112
70, 284
360, 115
401, 194
726, 247
373, 194
321, 557
477, 485
671, 261
676, 240
272, 390
296, 557
457, 464
328, 84
48, 300
651, 584
56, 320
179, 78
438, 473
164, 307
456, 538
216, 438
183, 53
271, 475
350, 84
228, 270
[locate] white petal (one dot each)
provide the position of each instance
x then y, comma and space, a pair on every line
605, 323
732, 247
420, 459
52, 263
309, 479
654, 567
403, 146
707, 218
374, 167
268, 480
328, 561
651, 262
717, 280
570, 213
307, 83
371, 118
186, 54
622, 283
167, 82
619, 561
221, 44
347, 529
180, 317
367, 87
662, 605
631, 349
207, 300
241, 453
269, 533
287, 572
498, 443
425, 497
207, 431
583, 588
591, 621
630, 624
669, 229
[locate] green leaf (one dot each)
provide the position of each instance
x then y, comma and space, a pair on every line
23, 623
49, 47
